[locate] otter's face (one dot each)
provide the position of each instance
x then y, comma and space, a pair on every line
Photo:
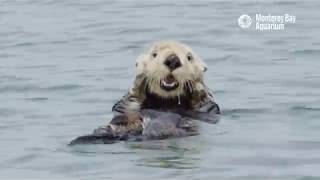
170, 68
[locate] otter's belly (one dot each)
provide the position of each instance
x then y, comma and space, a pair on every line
155, 124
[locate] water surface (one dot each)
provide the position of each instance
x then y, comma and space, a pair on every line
63, 64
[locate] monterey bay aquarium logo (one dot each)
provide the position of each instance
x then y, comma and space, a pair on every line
266, 22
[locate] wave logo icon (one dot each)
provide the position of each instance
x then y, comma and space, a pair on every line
244, 21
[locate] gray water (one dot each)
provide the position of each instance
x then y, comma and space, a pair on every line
63, 64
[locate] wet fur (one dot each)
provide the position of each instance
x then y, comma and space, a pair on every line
153, 70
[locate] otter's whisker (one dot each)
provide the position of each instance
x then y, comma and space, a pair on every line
188, 85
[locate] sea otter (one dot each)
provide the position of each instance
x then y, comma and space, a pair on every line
168, 94
169, 77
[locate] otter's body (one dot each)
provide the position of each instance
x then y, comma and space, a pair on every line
168, 94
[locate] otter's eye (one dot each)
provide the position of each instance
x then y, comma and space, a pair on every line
141, 119
189, 57
154, 54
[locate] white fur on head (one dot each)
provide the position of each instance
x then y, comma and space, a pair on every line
151, 65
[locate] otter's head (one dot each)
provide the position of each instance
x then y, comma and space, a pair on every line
170, 68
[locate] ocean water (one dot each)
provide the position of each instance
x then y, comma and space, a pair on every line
63, 64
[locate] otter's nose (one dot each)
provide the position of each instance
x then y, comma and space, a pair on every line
172, 62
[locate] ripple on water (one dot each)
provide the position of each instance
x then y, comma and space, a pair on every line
65, 87
19, 88
157, 145
306, 52
36, 116
24, 159
170, 162
12, 78
35, 88
114, 90
299, 108
217, 31
239, 112
285, 3
23, 44
275, 42
310, 114
37, 99
304, 145
128, 47
6, 55
138, 31
221, 59
8, 112
93, 100
147, 5
268, 161
165, 154
44, 66
94, 150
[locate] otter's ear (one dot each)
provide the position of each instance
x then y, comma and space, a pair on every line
205, 69
203, 65
139, 64
200, 63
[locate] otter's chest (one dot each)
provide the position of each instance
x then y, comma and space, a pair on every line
154, 101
